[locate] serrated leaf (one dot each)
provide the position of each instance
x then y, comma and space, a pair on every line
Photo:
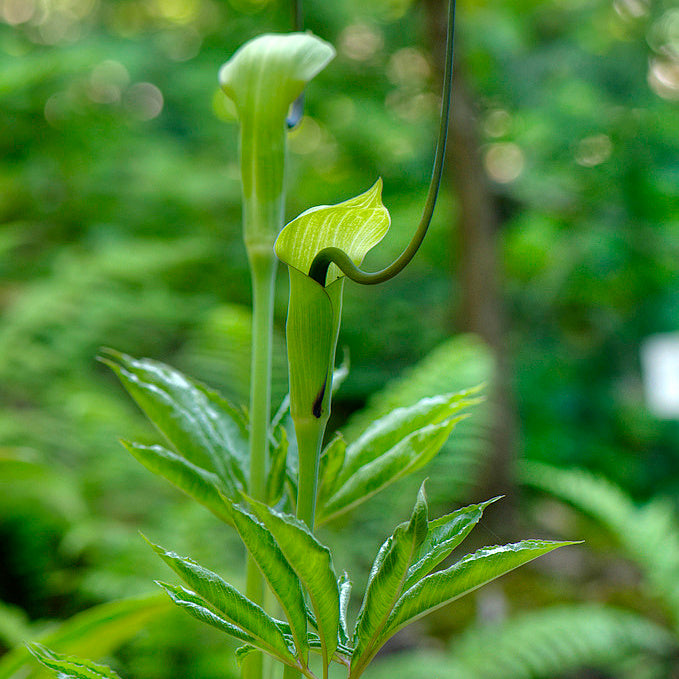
443, 587
201, 485
94, 633
230, 603
387, 576
282, 579
386, 432
471, 572
312, 562
406, 457
70, 667
199, 609
443, 536
201, 425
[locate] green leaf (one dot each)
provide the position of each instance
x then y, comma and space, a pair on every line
344, 585
94, 633
386, 432
199, 609
354, 226
387, 576
200, 424
279, 574
312, 562
331, 462
201, 485
468, 574
406, 457
456, 364
275, 482
230, 603
70, 667
444, 535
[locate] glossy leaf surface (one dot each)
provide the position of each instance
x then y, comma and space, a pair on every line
407, 456
312, 562
387, 575
230, 603
280, 576
444, 534
472, 571
69, 667
200, 424
203, 486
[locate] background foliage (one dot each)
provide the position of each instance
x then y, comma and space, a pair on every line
119, 206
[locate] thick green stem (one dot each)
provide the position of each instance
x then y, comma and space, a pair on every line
263, 208
263, 270
309, 433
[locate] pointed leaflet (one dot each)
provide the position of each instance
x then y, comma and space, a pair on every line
199, 609
275, 481
313, 564
344, 585
236, 608
200, 484
386, 432
69, 667
405, 457
332, 459
387, 576
443, 536
472, 571
442, 587
354, 226
200, 424
278, 573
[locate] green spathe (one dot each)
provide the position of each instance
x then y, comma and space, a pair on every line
263, 78
355, 226
314, 312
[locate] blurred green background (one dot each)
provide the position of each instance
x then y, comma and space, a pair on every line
556, 240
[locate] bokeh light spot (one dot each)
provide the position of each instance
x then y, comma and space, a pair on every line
594, 150
498, 123
360, 42
144, 101
663, 78
15, 12
408, 68
107, 82
504, 162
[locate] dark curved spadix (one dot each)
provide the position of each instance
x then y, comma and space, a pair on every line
328, 256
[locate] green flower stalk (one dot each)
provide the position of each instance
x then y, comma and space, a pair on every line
314, 311
263, 78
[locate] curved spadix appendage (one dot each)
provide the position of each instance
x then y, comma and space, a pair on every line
340, 259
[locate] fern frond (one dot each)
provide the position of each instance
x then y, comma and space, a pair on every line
538, 645
459, 363
648, 534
